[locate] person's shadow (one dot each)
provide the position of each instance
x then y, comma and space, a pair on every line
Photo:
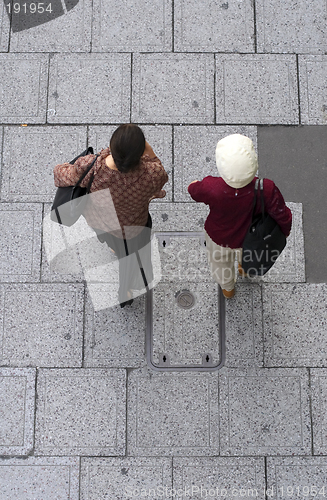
25, 14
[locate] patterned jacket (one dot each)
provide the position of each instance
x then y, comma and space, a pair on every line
118, 203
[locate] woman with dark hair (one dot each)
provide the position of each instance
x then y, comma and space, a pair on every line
127, 176
127, 145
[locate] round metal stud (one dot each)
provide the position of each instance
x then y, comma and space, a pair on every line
185, 299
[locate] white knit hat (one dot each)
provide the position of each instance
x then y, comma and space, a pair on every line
236, 160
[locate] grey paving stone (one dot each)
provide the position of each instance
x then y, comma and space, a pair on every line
20, 246
73, 98
58, 263
76, 254
185, 336
178, 216
114, 337
172, 414
41, 325
295, 324
102, 280
102, 295
4, 29
264, 412
131, 27
296, 476
101, 268
269, 82
52, 271
40, 148
99, 136
159, 83
40, 478
220, 27
80, 412
243, 327
313, 95
128, 478
195, 153
158, 136
219, 477
318, 382
23, 86
297, 27
70, 32
290, 265
17, 401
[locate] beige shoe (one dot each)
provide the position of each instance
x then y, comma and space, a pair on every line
227, 294
241, 271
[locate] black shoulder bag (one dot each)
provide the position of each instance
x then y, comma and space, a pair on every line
69, 201
263, 242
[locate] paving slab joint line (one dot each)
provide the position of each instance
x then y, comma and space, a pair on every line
298, 86
266, 479
19, 457
126, 409
173, 164
92, 19
47, 91
149, 323
262, 326
156, 123
10, 30
255, 27
84, 327
173, 26
131, 91
35, 408
1, 164
172, 464
79, 477
214, 91
310, 410
41, 256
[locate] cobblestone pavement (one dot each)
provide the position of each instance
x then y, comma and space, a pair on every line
82, 415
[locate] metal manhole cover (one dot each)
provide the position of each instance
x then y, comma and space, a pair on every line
162, 344
185, 299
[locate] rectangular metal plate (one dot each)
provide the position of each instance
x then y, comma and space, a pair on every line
186, 309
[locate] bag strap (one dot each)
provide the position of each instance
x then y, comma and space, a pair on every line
255, 196
84, 174
88, 187
88, 151
262, 200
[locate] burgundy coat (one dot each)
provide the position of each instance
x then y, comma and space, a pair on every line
231, 209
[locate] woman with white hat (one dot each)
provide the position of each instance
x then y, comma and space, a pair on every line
230, 199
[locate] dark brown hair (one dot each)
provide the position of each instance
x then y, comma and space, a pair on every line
127, 145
